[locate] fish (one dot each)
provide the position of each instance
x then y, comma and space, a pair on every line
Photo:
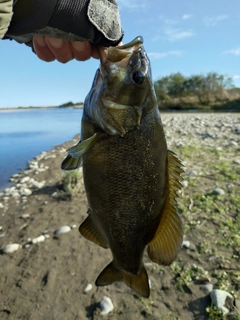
131, 179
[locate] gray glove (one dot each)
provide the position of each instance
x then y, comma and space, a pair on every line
96, 21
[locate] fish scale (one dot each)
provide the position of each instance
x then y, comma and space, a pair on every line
130, 177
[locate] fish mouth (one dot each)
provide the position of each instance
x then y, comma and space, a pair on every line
121, 54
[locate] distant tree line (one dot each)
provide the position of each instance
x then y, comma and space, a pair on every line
201, 91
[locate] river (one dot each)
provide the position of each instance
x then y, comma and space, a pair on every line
26, 133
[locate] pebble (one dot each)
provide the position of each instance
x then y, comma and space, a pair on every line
237, 161
208, 287
24, 179
185, 183
25, 216
106, 305
219, 298
186, 244
54, 194
38, 239
88, 288
218, 191
1, 205
10, 248
63, 229
25, 192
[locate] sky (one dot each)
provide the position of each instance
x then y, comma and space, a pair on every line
186, 36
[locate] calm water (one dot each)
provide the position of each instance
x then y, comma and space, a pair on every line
25, 134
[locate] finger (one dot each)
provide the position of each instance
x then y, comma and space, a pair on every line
82, 51
95, 52
60, 49
41, 49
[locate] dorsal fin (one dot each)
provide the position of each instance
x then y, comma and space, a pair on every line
167, 240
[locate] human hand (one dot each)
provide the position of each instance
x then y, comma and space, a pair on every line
63, 29
49, 49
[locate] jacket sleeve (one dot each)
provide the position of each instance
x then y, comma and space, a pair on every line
6, 12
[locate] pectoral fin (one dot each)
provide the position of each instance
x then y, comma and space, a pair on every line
74, 157
139, 283
168, 238
89, 230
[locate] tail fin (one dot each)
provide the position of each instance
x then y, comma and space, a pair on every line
139, 283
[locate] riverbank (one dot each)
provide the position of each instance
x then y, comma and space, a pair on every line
46, 276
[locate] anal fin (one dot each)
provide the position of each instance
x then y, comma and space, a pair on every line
167, 241
89, 230
139, 283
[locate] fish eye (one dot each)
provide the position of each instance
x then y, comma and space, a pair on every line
138, 77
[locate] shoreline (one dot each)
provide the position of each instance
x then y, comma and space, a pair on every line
163, 114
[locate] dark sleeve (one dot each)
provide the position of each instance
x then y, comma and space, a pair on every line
97, 21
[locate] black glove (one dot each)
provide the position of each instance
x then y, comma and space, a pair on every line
96, 21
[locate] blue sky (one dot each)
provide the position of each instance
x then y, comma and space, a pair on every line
187, 36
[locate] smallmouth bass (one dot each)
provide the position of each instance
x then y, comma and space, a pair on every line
131, 178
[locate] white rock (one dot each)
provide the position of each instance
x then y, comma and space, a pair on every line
208, 287
88, 288
27, 246
1, 228
185, 183
73, 226
218, 299
24, 179
186, 244
38, 185
1, 205
106, 305
218, 191
25, 192
63, 229
233, 143
25, 216
54, 194
237, 161
38, 239
12, 247
47, 236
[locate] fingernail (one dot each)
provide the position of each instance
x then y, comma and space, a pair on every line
56, 43
79, 46
40, 41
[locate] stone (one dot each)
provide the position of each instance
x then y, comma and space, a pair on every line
88, 288
186, 244
219, 298
185, 183
208, 287
218, 191
24, 179
38, 239
25, 192
237, 161
10, 248
106, 305
25, 216
1, 205
61, 230
38, 185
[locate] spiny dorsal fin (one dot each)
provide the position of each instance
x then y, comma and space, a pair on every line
139, 283
167, 241
74, 157
89, 230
